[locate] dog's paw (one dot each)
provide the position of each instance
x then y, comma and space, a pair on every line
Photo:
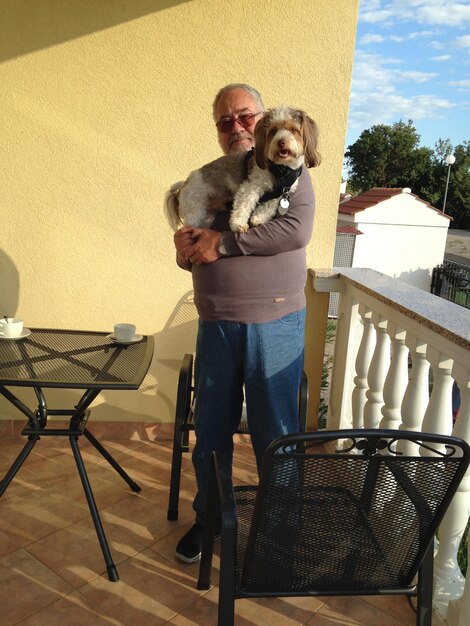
257, 220
238, 226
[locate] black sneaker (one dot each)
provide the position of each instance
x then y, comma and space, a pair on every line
188, 548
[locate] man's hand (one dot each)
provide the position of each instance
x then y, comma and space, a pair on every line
184, 240
206, 248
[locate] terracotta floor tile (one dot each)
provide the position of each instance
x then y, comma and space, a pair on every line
74, 553
398, 606
147, 523
27, 586
107, 487
151, 591
279, 611
23, 483
28, 518
264, 612
6, 429
73, 609
7, 545
353, 611
203, 612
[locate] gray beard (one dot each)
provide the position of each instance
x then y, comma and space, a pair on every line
237, 149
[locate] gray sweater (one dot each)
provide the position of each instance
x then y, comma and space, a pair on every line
263, 277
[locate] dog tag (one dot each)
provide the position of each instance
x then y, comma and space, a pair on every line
284, 204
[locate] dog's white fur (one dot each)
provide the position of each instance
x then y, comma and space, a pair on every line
284, 136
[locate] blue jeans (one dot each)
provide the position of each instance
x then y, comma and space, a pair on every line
268, 359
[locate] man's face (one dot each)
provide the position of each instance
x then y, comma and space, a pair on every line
235, 108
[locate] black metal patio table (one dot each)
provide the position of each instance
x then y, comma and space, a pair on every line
71, 359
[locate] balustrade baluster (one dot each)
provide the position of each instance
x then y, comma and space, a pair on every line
416, 398
438, 415
396, 379
379, 365
363, 359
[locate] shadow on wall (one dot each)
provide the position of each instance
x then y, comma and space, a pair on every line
420, 278
29, 25
9, 286
177, 337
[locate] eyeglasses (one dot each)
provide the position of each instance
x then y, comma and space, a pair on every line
225, 125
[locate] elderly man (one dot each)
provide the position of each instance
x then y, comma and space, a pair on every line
249, 293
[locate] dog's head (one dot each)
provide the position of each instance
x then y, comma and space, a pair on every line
286, 136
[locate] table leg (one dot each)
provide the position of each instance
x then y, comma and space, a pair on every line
111, 568
20, 459
133, 485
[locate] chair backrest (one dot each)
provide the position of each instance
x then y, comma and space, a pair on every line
360, 518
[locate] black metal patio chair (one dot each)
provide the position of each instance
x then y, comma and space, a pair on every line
357, 521
184, 423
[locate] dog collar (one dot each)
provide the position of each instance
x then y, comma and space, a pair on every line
284, 175
285, 178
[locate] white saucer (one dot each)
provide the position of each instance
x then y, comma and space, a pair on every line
24, 333
135, 339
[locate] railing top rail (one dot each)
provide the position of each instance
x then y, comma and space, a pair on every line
443, 317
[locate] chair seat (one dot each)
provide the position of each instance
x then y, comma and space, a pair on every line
302, 548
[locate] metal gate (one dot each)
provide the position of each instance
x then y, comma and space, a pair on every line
452, 281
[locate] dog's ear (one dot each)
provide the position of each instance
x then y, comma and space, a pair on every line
310, 137
261, 130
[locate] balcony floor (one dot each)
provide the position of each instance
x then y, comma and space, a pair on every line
51, 566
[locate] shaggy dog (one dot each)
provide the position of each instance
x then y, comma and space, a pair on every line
258, 182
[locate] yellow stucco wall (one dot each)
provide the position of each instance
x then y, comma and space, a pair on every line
105, 104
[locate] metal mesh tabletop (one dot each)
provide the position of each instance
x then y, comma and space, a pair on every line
74, 359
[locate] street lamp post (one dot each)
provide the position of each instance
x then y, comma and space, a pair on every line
450, 160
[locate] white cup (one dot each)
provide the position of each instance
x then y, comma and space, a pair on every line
11, 327
124, 332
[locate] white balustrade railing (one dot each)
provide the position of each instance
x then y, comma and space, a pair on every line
398, 351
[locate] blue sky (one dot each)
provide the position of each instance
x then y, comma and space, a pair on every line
412, 61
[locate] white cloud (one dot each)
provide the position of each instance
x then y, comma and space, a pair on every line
463, 42
370, 38
465, 84
372, 17
415, 76
438, 45
435, 12
442, 57
371, 73
421, 33
444, 13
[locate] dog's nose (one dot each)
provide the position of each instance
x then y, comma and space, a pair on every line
281, 143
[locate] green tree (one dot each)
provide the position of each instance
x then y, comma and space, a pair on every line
390, 156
